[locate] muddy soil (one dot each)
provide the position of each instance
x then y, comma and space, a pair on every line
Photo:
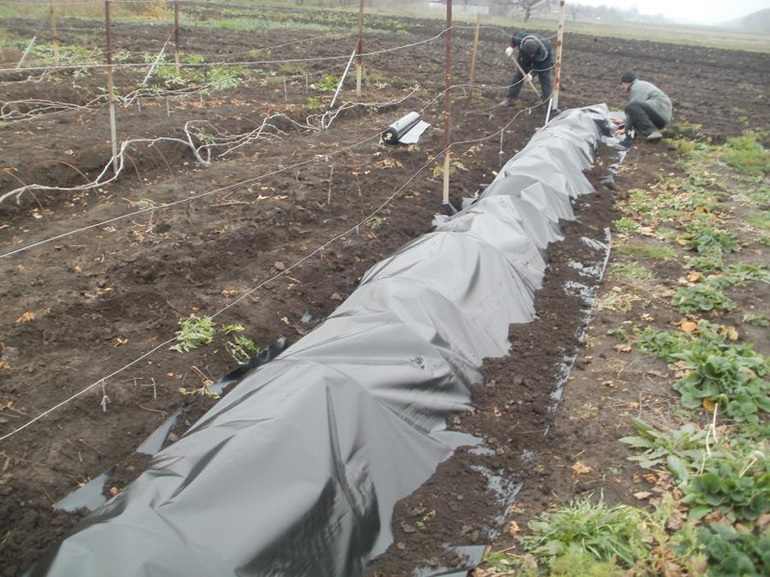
272, 236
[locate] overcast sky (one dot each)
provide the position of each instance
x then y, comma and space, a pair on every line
703, 11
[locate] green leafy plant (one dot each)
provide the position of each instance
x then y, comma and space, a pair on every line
707, 239
681, 450
234, 328
328, 83
707, 263
733, 553
194, 332
702, 297
625, 225
726, 374
738, 485
606, 533
660, 343
242, 348
756, 319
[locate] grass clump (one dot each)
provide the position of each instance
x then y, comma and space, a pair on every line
648, 251
606, 533
747, 155
760, 220
631, 270
625, 225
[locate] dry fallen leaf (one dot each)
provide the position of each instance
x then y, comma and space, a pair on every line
688, 326
709, 405
4, 365
513, 528
647, 317
580, 468
694, 277
26, 318
642, 495
625, 348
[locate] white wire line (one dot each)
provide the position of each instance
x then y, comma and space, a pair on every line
281, 273
245, 63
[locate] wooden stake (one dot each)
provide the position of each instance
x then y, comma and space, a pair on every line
54, 37
447, 100
445, 190
559, 44
360, 48
176, 36
110, 88
475, 49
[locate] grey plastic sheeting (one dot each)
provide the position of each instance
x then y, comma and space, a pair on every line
297, 470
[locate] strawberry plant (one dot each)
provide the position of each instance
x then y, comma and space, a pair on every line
735, 553
738, 485
703, 297
681, 450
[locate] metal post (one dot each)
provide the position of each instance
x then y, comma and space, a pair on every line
475, 49
559, 44
110, 88
176, 35
360, 48
447, 99
54, 37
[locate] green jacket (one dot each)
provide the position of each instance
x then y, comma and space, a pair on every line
654, 97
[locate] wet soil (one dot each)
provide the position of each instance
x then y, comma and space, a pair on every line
273, 235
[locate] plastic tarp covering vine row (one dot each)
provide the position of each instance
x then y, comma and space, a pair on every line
296, 471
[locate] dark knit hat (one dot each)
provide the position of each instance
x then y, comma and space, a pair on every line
529, 47
628, 77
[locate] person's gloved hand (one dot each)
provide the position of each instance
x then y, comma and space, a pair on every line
528, 77
509, 51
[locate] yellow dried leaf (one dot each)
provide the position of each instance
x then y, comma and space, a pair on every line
624, 348
688, 326
694, 277
4, 365
731, 332
513, 528
580, 468
709, 405
26, 318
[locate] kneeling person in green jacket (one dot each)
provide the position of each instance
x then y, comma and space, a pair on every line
648, 109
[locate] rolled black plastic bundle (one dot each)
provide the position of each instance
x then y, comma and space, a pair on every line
393, 133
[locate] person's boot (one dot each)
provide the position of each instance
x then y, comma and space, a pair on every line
507, 102
654, 136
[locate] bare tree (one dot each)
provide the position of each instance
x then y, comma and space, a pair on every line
526, 5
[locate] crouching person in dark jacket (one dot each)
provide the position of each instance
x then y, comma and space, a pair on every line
535, 58
648, 109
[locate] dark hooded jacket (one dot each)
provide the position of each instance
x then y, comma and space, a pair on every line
535, 53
